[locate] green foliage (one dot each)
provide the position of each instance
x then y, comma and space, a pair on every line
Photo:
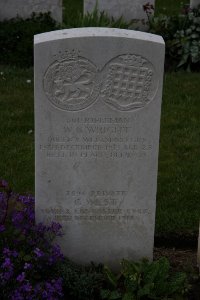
16, 35
186, 42
145, 280
16, 38
169, 7
95, 19
182, 36
71, 9
81, 283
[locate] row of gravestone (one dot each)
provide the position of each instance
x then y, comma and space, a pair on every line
129, 9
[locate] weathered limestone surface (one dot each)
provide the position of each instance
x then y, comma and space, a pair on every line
129, 9
97, 117
24, 8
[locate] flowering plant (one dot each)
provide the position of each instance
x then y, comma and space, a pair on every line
28, 258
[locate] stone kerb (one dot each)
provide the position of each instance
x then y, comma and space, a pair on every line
98, 98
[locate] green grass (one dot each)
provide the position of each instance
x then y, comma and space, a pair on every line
178, 205
179, 161
16, 134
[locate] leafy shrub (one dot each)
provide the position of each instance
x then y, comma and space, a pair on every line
79, 282
96, 19
182, 36
145, 280
16, 38
16, 35
27, 256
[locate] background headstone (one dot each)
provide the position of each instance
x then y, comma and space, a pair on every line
129, 9
194, 3
97, 117
24, 8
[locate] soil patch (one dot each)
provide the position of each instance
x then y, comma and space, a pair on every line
180, 259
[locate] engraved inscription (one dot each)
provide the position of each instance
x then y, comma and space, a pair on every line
95, 206
103, 138
129, 82
126, 83
70, 84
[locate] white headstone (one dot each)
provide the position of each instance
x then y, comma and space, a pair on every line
24, 8
97, 117
129, 9
194, 3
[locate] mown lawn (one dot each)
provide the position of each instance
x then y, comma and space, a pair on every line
17, 125
178, 205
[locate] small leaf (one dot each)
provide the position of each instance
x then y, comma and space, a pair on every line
105, 294
146, 290
177, 282
129, 296
27, 258
115, 295
111, 277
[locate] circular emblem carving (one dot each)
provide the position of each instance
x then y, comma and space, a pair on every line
129, 82
70, 84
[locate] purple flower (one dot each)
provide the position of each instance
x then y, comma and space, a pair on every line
2, 228
6, 251
29, 212
58, 286
8, 266
56, 253
21, 277
38, 252
40, 228
27, 287
27, 266
15, 253
6, 275
23, 292
56, 228
17, 217
27, 200
53, 289
7, 263
17, 295
27, 239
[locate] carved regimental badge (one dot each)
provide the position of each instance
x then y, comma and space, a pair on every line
129, 82
70, 83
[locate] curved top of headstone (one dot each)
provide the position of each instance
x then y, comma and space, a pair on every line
96, 32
